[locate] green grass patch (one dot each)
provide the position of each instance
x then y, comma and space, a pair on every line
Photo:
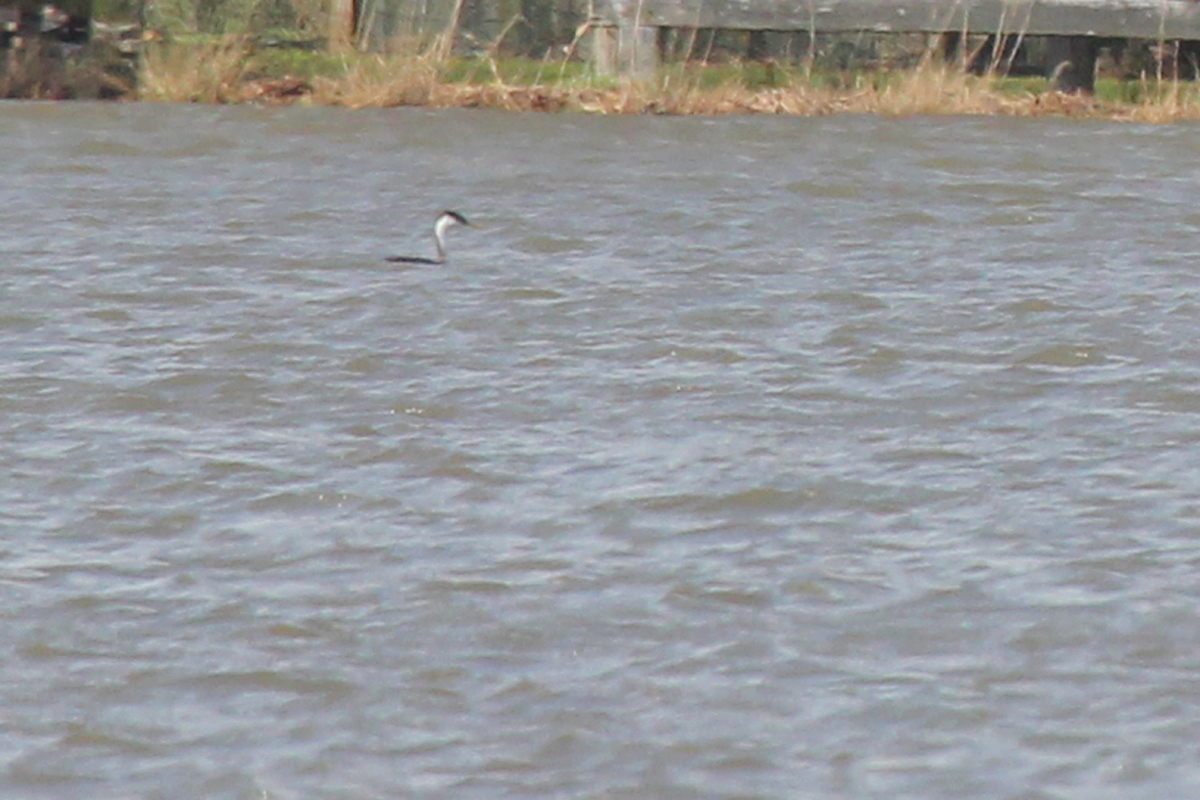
278, 62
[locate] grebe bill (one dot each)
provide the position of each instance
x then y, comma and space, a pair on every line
445, 220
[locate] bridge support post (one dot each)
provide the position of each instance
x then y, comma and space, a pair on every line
343, 21
627, 51
637, 50
600, 47
622, 44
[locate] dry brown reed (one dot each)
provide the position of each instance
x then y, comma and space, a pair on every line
930, 89
220, 72
936, 88
380, 81
208, 71
926, 91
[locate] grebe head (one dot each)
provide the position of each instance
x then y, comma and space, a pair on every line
447, 219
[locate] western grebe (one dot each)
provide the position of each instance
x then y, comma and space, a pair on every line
445, 220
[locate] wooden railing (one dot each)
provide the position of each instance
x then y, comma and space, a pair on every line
626, 31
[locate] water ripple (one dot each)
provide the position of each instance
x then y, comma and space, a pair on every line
803, 469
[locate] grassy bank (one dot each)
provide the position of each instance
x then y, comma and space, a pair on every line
233, 70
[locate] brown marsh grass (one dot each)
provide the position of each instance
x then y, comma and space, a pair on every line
199, 71
226, 71
931, 88
378, 81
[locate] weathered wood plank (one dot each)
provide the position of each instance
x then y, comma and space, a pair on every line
637, 50
1145, 19
343, 20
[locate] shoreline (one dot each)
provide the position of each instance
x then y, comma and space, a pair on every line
232, 71
925, 90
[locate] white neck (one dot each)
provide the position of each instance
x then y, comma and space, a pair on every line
439, 234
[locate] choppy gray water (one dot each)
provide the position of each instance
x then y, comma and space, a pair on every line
733, 458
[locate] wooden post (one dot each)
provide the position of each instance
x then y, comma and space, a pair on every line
1071, 63
637, 50
601, 47
621, 43
343, 24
